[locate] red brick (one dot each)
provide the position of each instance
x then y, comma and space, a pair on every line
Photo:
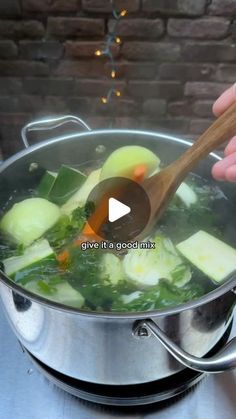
8, 104
205, 90
206, 28
105, 5
10, 139
81, 105
209, 52
184, 71
233, 30
96, 87
50, 5
222, 7
133, 70
203, 108
10, 85
21, 29
48, 86
10, 8
99, 122
173, 7
37, 50
174, 126
117, 106
54, 104
180, 108
149, 89
139, 28
23, 103
226, 73
14, 118
198, 126
94, 106
71, 27
23, 68
124, 122
8, 49
92, 68
154, 107
159, 51
81, 49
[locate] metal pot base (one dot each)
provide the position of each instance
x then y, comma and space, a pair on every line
129, 395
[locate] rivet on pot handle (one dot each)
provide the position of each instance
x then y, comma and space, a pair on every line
50, 123
224, 360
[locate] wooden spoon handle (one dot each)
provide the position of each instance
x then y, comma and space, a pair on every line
220, 131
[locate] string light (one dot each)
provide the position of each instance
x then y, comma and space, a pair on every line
110, 94
112, 38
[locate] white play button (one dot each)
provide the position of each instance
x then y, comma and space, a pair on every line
118, 215
117, 210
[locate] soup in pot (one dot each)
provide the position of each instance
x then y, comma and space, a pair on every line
48, 247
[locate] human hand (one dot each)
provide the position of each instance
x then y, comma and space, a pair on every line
226, 168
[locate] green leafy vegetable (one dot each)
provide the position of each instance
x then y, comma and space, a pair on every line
112, 268
68, 227
160, 296
84, 275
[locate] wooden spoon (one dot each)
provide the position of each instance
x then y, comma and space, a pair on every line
162, 186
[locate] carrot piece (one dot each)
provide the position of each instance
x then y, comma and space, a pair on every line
88, 231
139, 173
63, 257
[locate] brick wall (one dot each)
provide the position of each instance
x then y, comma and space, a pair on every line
177, 56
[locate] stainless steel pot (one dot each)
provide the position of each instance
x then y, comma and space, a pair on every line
112, 348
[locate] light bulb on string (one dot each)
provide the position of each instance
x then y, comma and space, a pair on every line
111, 38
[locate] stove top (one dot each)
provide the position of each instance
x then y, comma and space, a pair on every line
26, 394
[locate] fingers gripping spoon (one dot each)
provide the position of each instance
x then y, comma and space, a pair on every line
162, 186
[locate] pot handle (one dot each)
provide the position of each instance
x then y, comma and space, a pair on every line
224, 360
50, 123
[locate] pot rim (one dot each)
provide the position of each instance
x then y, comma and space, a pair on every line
229, 284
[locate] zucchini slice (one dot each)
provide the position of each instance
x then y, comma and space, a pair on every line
35, 253
209, 254
63, 293
80, 197
68, 181
46, 184
186, 194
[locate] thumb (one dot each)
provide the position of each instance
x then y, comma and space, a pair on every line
225, 101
